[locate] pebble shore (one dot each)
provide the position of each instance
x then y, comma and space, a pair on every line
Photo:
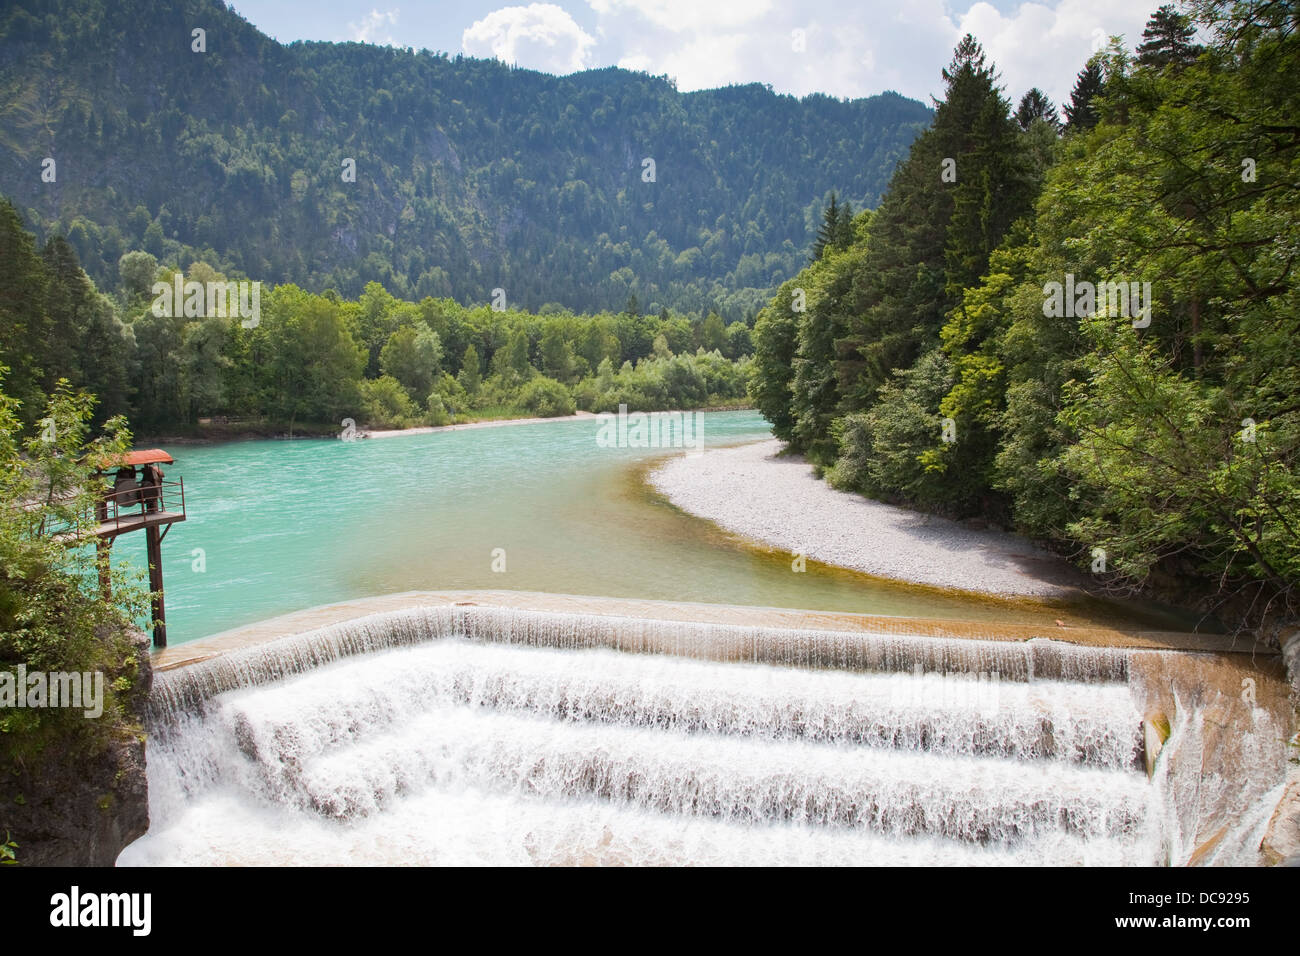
750, 491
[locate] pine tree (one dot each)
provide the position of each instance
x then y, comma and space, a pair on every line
1168, 37
829, 232
1035, 105
1081, 114
844, 234
930, 236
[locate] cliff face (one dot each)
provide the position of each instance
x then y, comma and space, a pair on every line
1281, 844
79, 812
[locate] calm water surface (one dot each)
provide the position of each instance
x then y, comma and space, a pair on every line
288, 525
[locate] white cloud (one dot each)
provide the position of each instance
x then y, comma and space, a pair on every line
688, 15
856, 49
703, 63
1043, 46
540, 36
374, 28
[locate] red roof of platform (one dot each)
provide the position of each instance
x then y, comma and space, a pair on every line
140, 456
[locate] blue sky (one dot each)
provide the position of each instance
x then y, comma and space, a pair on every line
846, 48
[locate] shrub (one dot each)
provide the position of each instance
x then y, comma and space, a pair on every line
547, 398
385, 404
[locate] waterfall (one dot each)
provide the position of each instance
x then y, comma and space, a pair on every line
467, 734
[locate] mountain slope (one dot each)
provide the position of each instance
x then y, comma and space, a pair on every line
470, 175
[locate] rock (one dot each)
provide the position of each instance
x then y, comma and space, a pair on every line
1155, 731
77, 812
1281, 842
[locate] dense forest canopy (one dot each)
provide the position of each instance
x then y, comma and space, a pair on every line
469, 175
1145, 420
313, 359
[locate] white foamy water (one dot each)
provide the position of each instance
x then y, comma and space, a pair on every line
478, 737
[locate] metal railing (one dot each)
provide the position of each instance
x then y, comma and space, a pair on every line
139, 501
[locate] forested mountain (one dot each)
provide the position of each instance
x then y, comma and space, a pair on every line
1088, 333
469, 175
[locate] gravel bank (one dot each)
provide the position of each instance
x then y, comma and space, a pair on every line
777, 501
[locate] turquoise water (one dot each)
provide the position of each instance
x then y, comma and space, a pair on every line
280, 526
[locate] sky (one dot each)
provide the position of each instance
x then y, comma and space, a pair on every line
845, 48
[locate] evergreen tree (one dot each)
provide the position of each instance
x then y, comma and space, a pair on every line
556, 354
1081, 113
1167, 39
89, 350
815, 392
931, 236
1035, 105
517, 353
830, 231
844, 234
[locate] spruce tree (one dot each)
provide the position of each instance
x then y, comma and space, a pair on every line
1081, 113
931, 234
844, 234
1168, 39
830, 230
1035, 105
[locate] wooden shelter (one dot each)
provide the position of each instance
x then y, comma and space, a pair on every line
138, 498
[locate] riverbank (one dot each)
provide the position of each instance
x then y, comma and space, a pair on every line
214, 432
752, 491
465, 426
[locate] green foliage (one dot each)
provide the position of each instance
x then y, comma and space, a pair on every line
413, 356
315, 363
887, 451
836, 230
1167, 39
705, 379
470, 174
931, 237
776, 336
385, 404
830, 287
1162, 467
52, 615
713, 335
547, 398
1172, 446
1035, 107
471, 376
311, 360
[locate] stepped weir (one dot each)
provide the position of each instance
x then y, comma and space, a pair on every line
491, 727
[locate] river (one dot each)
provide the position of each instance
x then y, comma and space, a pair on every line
279, 526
